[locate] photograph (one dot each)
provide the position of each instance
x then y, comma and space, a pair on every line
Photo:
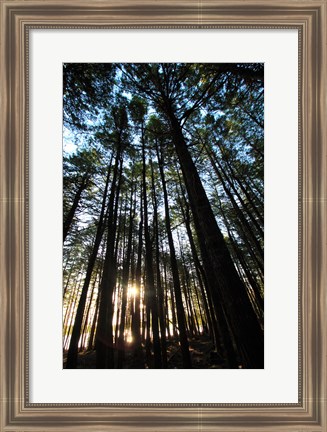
163, 216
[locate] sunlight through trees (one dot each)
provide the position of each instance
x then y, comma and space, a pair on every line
163, 215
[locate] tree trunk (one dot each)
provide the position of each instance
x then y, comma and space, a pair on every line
70, 216
174, 269
158, 275
149, 281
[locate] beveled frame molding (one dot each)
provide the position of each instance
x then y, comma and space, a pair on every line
17, 18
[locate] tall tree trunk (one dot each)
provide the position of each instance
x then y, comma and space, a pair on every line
158, 275
70, 216
136, 316
90, 345
86, 324
149, 282
169, 289
174, 269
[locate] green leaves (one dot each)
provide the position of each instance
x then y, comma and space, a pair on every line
138, 109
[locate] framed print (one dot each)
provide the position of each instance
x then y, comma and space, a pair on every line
172, 142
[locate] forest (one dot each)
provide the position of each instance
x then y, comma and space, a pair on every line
163, 215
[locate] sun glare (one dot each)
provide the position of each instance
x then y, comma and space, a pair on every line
132, 290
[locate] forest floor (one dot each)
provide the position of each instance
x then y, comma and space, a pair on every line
202, 352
